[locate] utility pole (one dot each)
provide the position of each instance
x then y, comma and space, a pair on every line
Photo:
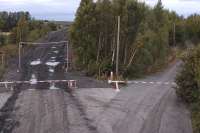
67, 56
117, 56
174, 35
19, 57
2, 59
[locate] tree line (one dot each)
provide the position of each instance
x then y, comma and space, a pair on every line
21, 26
188, 30
9, 20
146, 36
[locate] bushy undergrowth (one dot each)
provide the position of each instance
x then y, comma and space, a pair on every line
10, 51
188, 84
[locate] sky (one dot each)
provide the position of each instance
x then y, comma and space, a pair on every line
64, 10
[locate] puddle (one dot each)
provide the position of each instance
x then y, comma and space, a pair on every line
53, 87
36, 62
33, 80
53, 64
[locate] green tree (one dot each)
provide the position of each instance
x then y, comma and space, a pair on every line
83, 33
22, 29
193, 28
2, 23
144, 33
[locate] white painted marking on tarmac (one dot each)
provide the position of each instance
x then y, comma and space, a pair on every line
53, 64
143, 82
36, 62
151, 82
51, 70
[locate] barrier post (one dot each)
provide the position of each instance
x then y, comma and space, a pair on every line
111, 75
117, 87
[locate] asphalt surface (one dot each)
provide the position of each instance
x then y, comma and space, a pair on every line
148, 106
45, 108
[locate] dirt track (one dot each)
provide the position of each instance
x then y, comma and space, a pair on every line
147, 107
50, 111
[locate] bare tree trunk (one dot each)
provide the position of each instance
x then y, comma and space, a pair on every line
99, 49
113, 49
113, 56
132, 57
125, 54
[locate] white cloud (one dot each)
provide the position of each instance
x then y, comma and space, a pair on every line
47, 9
65, 9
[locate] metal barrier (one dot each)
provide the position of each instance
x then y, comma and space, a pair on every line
70, 83
116, 83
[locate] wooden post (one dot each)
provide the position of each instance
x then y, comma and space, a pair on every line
174, 35
2, 59
111, 75
117, 56
67, 53
67, 56
19, 57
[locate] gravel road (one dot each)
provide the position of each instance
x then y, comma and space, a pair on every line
147, 108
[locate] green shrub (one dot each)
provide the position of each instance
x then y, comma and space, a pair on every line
188, 87
2, 39
10, 50
2, 70
188, 79
195, 107
34, 35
